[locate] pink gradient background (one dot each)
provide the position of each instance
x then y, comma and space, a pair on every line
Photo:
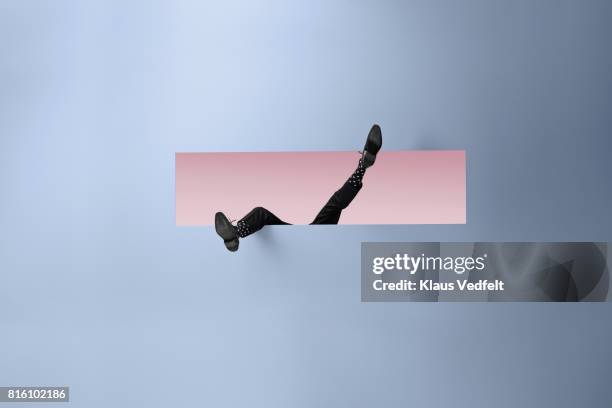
403, 187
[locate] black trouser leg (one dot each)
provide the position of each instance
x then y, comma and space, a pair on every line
330, 213
256, 220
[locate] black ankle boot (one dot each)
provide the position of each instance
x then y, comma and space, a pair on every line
372, 146
227, 231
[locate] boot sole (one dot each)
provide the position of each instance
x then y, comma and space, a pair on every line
372, 146
374, 141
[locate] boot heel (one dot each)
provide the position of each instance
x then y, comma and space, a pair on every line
368, 159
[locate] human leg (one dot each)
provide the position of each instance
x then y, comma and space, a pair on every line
331, 211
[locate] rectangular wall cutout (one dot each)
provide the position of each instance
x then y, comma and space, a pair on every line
403, 187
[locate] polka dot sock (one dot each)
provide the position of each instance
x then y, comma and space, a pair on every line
242, 229
357, 176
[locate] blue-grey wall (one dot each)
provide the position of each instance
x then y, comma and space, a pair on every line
99, 290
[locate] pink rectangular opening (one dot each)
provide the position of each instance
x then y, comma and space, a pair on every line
403, 187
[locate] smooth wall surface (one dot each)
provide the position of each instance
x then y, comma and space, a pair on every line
405, 187
100, 290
